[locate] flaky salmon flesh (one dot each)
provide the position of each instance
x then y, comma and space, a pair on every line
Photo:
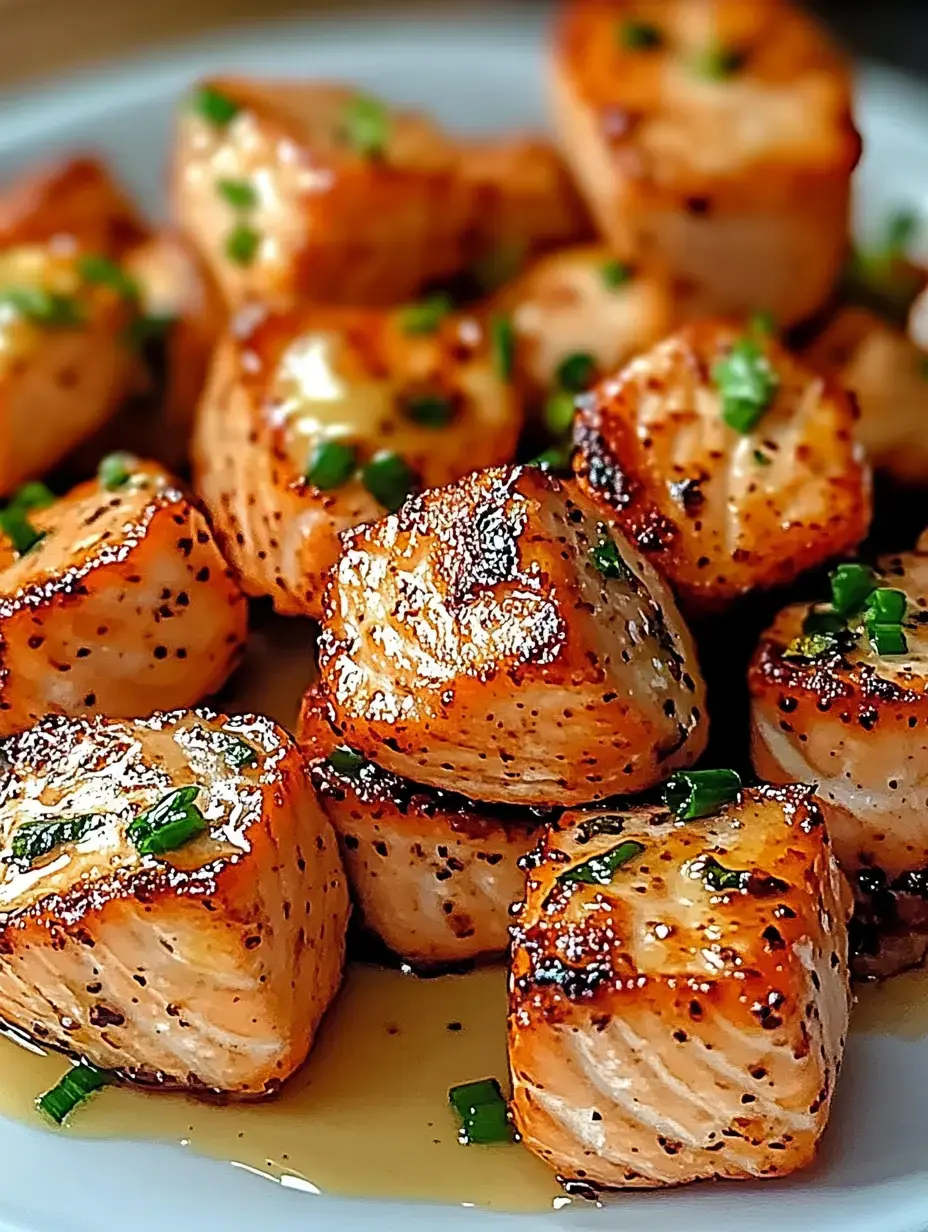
114, 599
679, 992
203, 959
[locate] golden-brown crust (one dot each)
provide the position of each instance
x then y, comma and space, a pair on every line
718, 511
124, 607
74, 197
655, 1016
726, 178
286, 384
207, 967
471, 642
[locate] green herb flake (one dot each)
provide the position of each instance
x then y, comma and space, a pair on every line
429, 410
331, 464
761, 458
615, 274
101, 271
15, 524
482, 1111
717, 877
886, 606
214, 106
901, 229
242, 245
72, 1090
346, 761
850, 586
236, 752
600, 870
576, 372
718, 62
558, 412
389, 479
823, 619
239, 194
606, 557
503, 340
41, 836
45, 308
171, 823
747, 383
425, 316
691, 794
639, 35
148, 330
365, 126
116, 469
887, 639
811, 646
556, 458
33, 495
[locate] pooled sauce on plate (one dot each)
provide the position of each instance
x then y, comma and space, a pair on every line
368, 1115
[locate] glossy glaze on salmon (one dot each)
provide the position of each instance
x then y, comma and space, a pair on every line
424, 396
839, 713
723, 510
207, 966
65, 366
499, 639
122, 606
349, 201
679, 1007
720, 146
885, 371
433, 873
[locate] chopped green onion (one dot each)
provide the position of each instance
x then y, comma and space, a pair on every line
366, 126
236, 752
761, 458
576, 373
822, 619
811, 646
426, 316
43, 307
762, 322
718, 62
599, 870
389, 479
690, 794
503, 338
555, 458
331, 464
887, 639
101, 271
615, 274
747, 384
430, 410
605, 556
115, 470
15, 524
640, 35
77, 1084
886, 606
559, 412
169, 824
850, 586
214, 106
346, 761
38, 837
240, 194
33, 495
242, 245
482, 1111
717, 877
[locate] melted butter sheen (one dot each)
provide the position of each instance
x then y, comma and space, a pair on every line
368, 1115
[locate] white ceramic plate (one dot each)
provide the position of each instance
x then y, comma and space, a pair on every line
477, 71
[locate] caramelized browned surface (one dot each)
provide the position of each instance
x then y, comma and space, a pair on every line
720, 512
294, 381
663, 1029
207, 967
471, 643
123, 608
